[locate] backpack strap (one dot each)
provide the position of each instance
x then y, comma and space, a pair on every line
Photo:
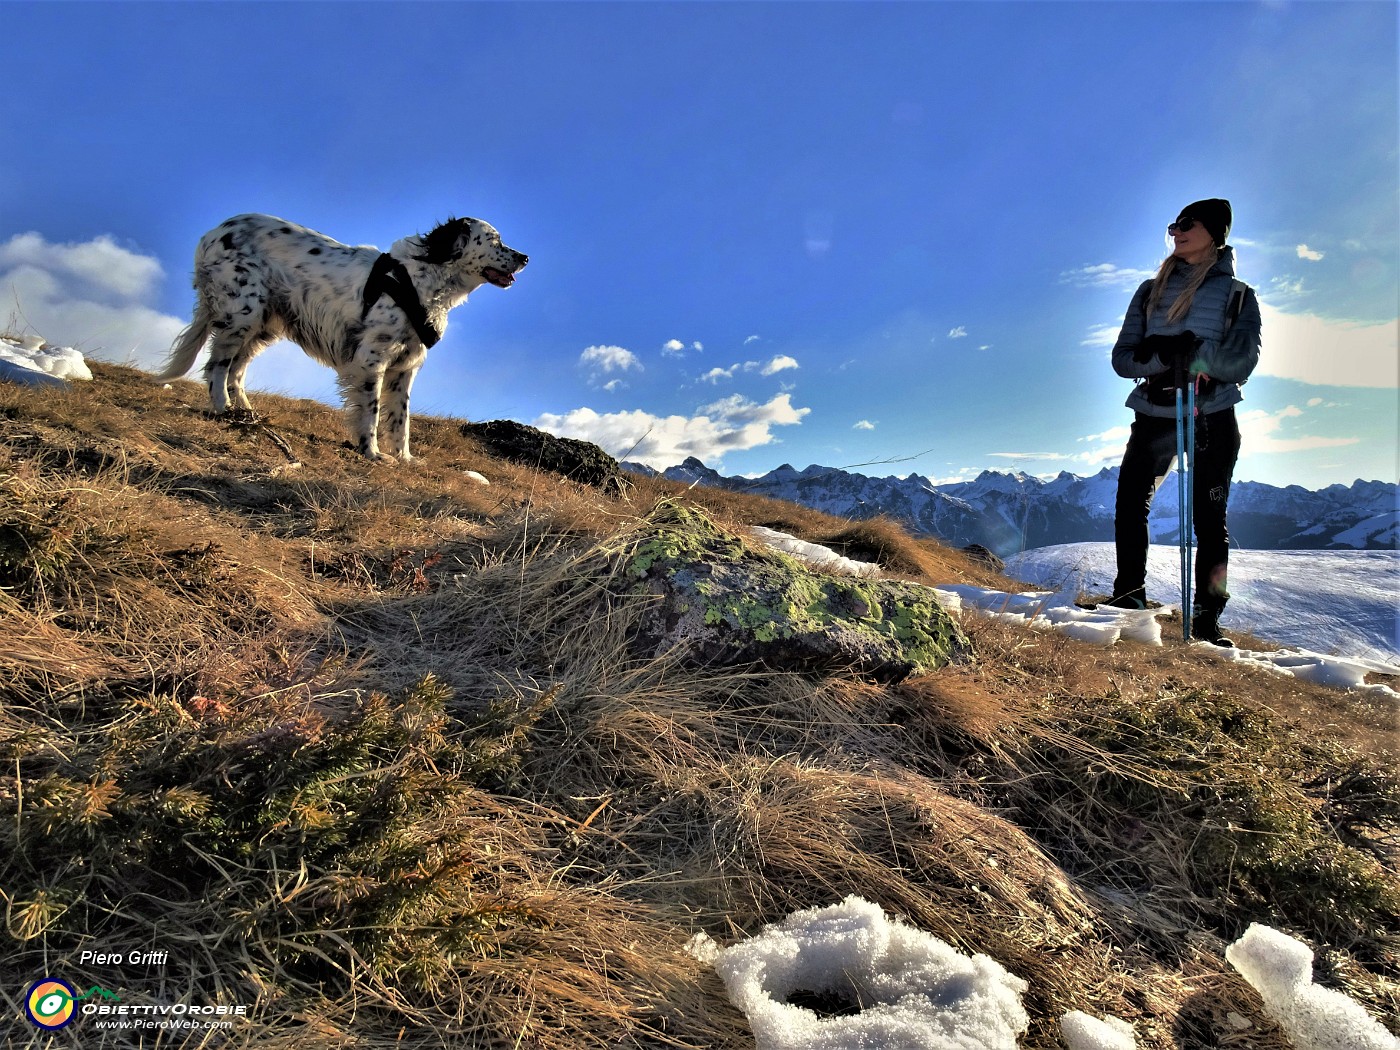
1236, 304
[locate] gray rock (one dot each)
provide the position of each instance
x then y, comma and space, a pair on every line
576, 460
977, 552
724, 602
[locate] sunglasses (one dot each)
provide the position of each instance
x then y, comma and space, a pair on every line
1182, 226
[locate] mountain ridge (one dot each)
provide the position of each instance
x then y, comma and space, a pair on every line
1008, 512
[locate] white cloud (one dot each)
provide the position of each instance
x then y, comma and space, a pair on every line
675, 347
1104, 275
864, 424
613, 385
609, 359
1304, 252
962, 474
1259, 433
729, 425
94, 295
1313, 349
1285, 289
1105, 448
714, 375
1119, 434
738, 409
1101, 335
958, 333
106, 270
751, 339
779, 363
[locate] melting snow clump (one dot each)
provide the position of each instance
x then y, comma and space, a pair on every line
814, 554
28, 360
847, 977
1082, 1032
1315, 1018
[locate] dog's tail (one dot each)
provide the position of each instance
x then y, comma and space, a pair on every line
190, 342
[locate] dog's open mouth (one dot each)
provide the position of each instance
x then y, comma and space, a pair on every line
499, 278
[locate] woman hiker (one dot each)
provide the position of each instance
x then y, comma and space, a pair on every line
1194, 320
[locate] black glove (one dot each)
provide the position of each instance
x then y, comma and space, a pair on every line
1184, 347
1152, 345
1169, 348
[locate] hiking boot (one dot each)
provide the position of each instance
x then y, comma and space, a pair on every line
1137, 599
1205, 626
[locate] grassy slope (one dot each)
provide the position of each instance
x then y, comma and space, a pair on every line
367, 748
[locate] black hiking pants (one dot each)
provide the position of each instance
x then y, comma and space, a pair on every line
1151, 449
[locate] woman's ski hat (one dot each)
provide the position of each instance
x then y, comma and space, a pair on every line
1214, 214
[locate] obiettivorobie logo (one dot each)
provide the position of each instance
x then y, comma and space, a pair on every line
53, 1004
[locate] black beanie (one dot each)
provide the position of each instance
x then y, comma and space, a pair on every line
1214, 214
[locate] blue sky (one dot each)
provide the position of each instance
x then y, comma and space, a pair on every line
893, 237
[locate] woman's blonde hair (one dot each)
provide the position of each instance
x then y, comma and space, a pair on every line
1182, 306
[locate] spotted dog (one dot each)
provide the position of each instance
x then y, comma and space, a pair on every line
370, 316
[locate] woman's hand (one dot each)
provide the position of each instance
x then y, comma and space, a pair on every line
1167, 348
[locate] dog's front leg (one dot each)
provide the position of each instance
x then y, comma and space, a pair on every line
397, 385
361, 395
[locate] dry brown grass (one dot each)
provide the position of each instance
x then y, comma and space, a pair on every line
369, 749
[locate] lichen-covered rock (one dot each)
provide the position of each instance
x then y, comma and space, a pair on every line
977, 552
724, 602
576, 460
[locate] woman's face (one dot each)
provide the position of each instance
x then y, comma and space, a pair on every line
1193, 244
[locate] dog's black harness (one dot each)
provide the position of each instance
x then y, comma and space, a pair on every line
390, 277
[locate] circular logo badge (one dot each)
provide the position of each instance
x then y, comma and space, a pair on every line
49, 1003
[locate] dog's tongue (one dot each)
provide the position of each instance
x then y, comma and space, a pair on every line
498, 278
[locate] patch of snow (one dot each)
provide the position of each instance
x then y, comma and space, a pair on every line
912, 990
1315, 1018
1333, 671
814, 554
703, 947
1381, 528
1082, 1032
27, 359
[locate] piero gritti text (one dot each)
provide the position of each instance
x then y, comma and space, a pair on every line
131, 958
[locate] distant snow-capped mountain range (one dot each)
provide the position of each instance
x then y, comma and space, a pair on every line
1009, 513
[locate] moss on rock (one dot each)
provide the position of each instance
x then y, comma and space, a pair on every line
726, 601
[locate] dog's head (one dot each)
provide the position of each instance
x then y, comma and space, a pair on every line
474, 250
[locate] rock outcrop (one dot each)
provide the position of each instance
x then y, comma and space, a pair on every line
726, 602
576, 460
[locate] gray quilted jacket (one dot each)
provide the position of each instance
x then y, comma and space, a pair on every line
1227, 358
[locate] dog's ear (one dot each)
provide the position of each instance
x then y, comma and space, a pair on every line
446, 242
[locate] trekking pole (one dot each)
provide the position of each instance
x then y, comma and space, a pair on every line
1189, 530
1182, 497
